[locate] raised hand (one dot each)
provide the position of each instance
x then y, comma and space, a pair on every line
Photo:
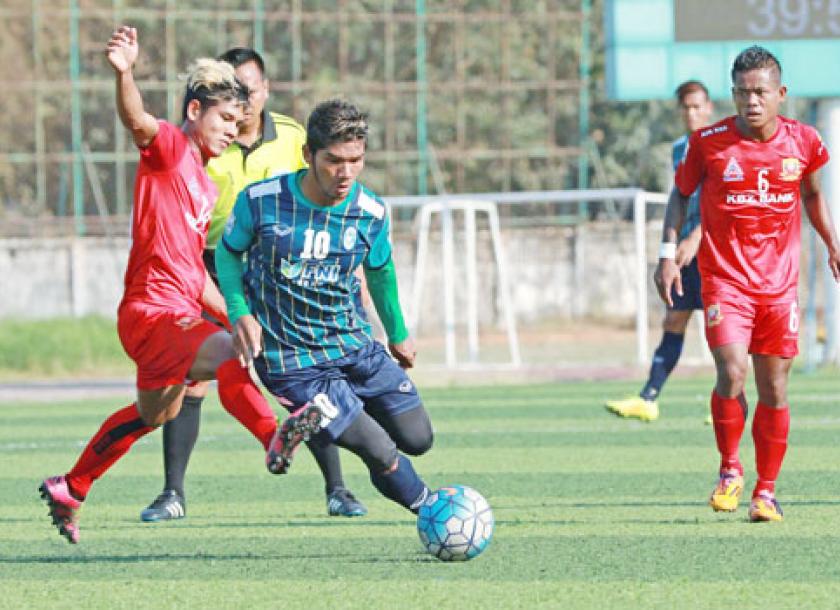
122, 48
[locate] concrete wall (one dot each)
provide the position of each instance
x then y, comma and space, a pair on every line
553, 272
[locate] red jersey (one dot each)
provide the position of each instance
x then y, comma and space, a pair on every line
173, 201
750, 206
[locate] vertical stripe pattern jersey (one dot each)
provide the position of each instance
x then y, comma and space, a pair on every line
299, 279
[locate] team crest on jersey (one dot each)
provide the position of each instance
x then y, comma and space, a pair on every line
349, 238
791, 169
713, 315
733, 171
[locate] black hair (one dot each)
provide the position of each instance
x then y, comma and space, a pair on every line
334, 121
689, 87
242, 55
756, 58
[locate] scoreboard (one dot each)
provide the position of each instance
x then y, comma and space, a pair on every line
654, 45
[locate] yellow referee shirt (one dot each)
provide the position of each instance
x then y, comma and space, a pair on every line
279, 151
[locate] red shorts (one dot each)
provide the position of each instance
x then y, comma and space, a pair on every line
771, 330
164, 344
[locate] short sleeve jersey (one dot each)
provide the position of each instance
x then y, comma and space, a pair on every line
750, 207
279, 151
173, 199
299, 281
692, 215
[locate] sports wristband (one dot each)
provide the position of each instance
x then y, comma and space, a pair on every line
668, 249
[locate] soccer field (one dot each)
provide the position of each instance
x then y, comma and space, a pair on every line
591, 512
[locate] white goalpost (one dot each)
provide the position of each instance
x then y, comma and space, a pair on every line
469, 206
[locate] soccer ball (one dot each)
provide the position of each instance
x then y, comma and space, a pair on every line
455, 523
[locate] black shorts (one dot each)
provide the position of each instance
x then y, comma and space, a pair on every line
690, 300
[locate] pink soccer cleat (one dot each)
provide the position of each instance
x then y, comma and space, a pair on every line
64, 508
295, 429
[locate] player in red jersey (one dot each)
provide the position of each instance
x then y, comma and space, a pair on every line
166, 286
754, 169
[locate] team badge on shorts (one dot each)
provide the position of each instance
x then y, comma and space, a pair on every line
713, 315
791, 169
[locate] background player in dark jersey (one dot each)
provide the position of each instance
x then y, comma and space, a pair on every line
166, 285
267, 144
696, 110
756, 169
305, 234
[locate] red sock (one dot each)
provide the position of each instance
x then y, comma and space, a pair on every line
242, 399
728, 418
109, 444
770, 433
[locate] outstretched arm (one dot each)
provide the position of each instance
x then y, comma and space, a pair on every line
818, 213
668, 272
122, 50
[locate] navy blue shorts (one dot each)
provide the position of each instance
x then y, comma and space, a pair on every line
690, 299
366, 379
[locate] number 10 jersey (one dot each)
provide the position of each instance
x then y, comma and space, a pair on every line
299, 281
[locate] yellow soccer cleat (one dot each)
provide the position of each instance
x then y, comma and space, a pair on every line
727, 492
635, 406
765, 508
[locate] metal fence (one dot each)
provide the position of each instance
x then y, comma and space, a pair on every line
488, 91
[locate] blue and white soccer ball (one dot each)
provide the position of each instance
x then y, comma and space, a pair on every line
455, 523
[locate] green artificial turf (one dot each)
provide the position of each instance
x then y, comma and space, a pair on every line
591, 512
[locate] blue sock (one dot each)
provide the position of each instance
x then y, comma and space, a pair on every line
664, 360
403, 486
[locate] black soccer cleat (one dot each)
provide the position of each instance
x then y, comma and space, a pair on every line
168, 505
342, 503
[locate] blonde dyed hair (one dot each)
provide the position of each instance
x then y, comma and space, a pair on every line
211, 81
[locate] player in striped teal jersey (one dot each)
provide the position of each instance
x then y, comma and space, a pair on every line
293, 310
300, 263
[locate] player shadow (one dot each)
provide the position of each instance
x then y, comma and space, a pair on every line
420, 557
14, 520
333, 522
633, 504
539, 522
150, 557
811, 502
